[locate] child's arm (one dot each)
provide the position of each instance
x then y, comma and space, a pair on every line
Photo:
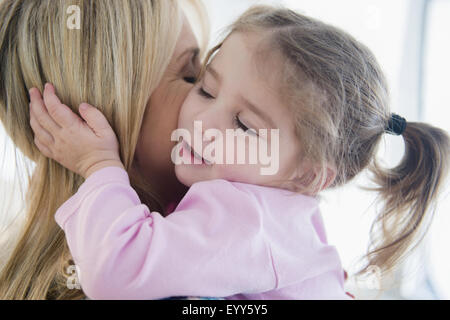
81, 146
212, 245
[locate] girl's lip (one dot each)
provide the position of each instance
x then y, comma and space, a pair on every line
194, 153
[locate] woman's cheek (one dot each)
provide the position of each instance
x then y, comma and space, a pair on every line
172, 109
160, 119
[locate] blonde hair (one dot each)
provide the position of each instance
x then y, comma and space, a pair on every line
339, 97
114, 61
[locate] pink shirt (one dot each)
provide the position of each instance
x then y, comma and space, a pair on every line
225, 239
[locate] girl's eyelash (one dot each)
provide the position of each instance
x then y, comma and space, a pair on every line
204, 94
243, 126
237, 121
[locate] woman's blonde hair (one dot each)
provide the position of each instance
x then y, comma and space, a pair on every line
114, 61
339, 98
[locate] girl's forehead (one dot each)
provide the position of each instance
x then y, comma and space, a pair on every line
245, 67
251, 52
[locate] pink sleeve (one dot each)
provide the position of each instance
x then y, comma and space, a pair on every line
124, 251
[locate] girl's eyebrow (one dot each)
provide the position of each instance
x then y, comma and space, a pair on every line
259, 112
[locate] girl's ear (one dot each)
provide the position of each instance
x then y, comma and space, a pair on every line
331, 176
306, 175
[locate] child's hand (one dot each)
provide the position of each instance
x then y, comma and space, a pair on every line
81, 146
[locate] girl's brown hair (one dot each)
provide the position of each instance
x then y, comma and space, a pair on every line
339, 97
114, 61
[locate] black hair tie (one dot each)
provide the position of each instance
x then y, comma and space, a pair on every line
396, 125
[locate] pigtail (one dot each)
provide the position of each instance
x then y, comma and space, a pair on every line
409, 193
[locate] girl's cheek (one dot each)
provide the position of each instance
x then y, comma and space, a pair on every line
184, 115
189, 111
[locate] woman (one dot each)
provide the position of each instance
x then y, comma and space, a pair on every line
137, 61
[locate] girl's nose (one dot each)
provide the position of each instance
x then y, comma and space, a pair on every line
200, 127
210, 119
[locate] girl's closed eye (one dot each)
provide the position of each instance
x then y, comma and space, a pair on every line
202, 92
242, 126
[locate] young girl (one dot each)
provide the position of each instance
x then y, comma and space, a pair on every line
237, 233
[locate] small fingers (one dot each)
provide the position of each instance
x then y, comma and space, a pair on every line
95, 119
43, 148
43, 135
39, 112
60, 113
